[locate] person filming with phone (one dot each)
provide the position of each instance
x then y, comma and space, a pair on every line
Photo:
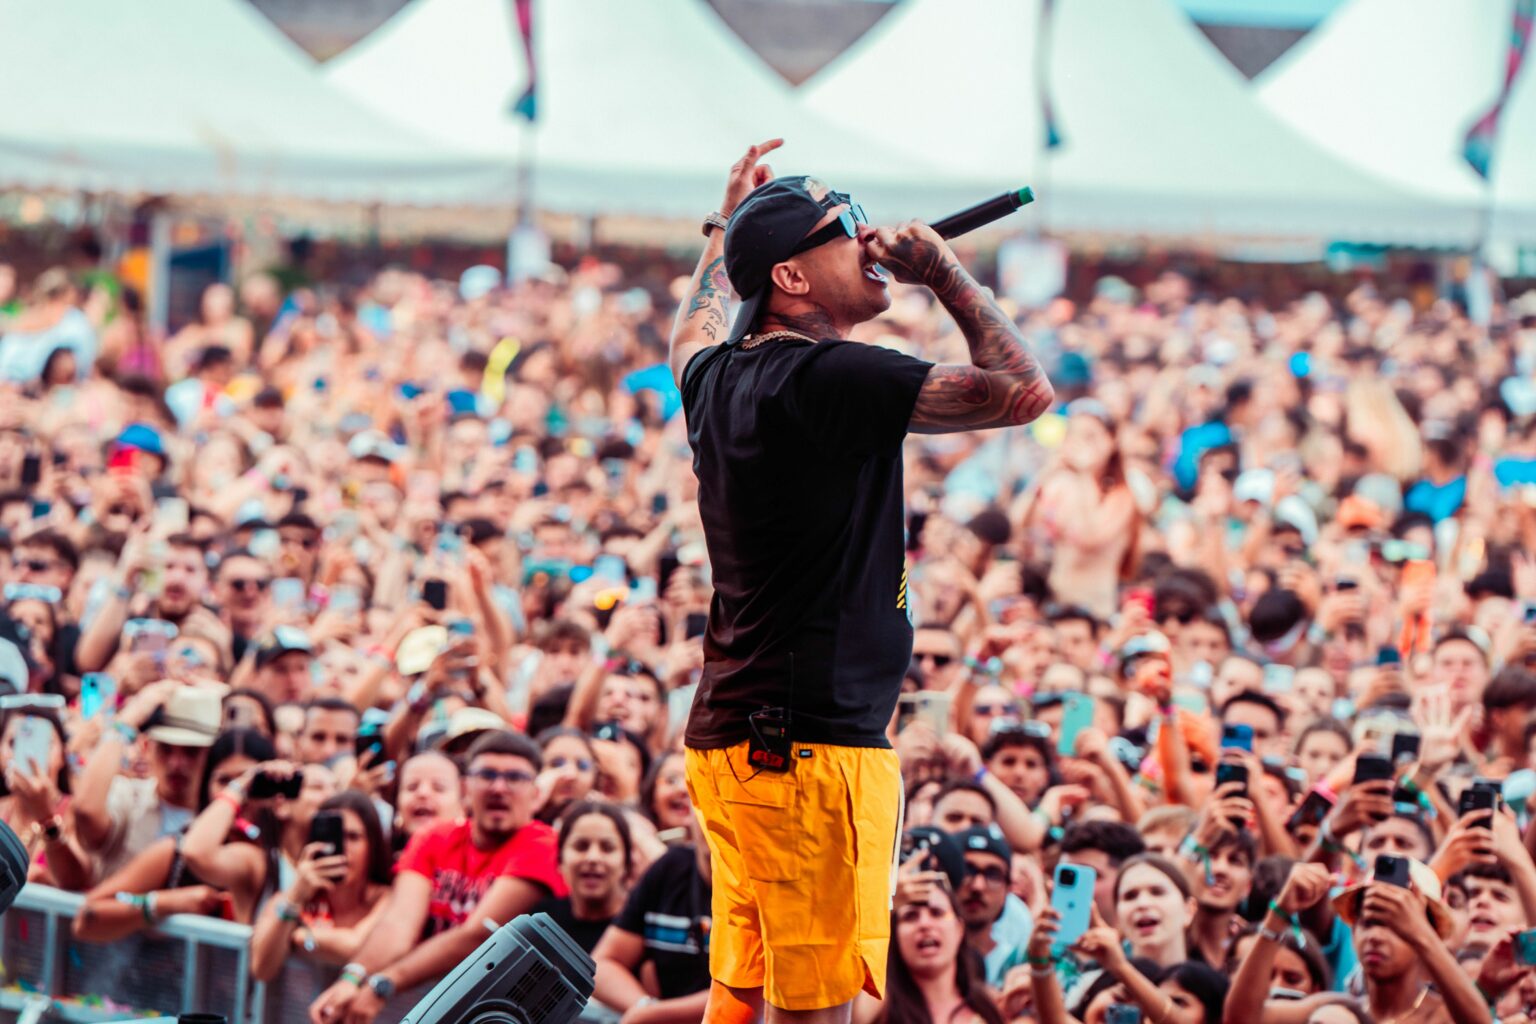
796, 435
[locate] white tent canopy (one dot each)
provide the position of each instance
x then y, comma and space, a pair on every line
642, 106
1161, 133
1393, 85
200, 97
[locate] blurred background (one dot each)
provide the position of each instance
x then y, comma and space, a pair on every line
1277, 143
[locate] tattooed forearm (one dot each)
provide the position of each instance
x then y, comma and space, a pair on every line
1004, 385
709, 300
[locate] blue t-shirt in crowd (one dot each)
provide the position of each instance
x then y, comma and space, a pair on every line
1438, 503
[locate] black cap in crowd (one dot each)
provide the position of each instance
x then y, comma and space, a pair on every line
763, 231
986, 839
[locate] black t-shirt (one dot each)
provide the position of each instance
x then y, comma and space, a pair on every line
585, 933
797, 448
669, 909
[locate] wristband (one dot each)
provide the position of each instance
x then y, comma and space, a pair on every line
1038, 961
714, 220
355, 973
981, 773
126, 731
286, 911
1293, 920
234, 802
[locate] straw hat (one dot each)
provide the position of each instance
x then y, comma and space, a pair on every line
1421, 879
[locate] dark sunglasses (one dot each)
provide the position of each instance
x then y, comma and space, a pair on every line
987, 710
939, 660
32, 564
247, 586
845, 226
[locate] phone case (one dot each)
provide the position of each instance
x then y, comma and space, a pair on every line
1073, 902
34, 739
1076, 715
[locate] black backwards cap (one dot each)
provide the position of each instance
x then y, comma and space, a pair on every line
763, 231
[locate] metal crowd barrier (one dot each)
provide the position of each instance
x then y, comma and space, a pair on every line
188, 964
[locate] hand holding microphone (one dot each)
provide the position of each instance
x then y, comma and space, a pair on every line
913, 253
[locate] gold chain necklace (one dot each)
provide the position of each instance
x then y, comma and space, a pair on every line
754, 340
1411, 1010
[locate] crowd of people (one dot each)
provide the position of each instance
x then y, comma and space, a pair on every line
367, 616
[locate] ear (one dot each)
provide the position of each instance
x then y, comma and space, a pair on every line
1190, 909
787, 278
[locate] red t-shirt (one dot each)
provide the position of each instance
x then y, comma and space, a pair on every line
461, 874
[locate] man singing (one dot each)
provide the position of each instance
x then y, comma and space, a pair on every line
796, 435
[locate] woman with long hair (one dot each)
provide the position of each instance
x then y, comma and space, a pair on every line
160, 881
1083, 508
1154, 907
932, 976
334, 899
596, 859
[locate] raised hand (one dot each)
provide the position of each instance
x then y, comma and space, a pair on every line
747, 174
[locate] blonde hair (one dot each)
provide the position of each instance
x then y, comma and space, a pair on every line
1378, 422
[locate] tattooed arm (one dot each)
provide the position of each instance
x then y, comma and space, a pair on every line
1004, 386
704, 317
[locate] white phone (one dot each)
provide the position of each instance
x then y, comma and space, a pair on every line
34, 742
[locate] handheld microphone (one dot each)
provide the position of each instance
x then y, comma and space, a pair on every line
983, 213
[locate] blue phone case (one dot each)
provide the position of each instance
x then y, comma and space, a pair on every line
1076, 715
1073, 901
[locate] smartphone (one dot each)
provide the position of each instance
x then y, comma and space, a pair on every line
695, 625
1237, 736
1525, 947
1475, 799
1314, 808
1072, 899
1278, 678
288, 595
31, 469
666, 565
659, 503
1391, 870
369, 744
264, 786
1372, 768
150, 636
97, 690
1405, 747
435, 593
1345, 583
172, 515
327, 827
1227, 771
1528, 613
931, 706
1122, 1013
346, 600
1076, 715
33, 742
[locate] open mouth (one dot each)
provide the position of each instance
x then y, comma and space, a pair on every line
928, 944
1482, 922
595, 873
1146, 924
876, 273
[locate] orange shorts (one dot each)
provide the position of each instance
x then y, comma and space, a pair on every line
804, 866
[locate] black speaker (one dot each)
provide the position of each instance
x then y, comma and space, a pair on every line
13, 867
